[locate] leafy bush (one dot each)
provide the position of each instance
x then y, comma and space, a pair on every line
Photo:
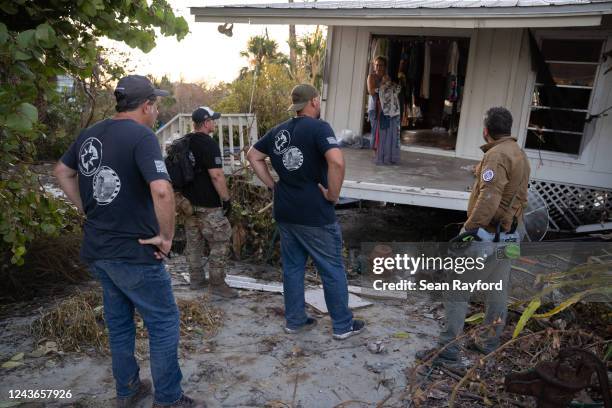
38, 41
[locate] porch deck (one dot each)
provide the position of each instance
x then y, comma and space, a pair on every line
420, 179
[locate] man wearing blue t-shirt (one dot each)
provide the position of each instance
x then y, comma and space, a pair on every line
115, 174
310, 166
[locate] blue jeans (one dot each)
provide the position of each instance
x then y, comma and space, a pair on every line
324, 246
146, 288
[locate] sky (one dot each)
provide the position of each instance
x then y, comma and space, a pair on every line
204, 54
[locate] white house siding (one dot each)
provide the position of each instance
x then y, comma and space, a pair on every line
498, 74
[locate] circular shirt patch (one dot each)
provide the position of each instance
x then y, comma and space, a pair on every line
90, 156
281, 141
293, 159
488, 175
106, 185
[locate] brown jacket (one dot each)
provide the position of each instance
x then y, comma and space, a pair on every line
500, 190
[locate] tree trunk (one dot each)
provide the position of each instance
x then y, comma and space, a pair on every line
292, 43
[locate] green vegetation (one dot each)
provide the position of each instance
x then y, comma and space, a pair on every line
40, 40
264, 85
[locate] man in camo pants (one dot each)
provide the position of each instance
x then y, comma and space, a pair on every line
205, 206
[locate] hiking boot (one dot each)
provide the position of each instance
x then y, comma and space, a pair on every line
223, 291
444, 357
310, 323
144, 390
183, 402
358, 326
198, 284
474, 346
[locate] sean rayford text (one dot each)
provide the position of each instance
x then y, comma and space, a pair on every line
406, 263
423, 285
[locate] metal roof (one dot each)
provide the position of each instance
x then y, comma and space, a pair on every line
415, 13
408, 4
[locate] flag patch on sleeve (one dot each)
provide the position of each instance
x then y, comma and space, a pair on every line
160, 166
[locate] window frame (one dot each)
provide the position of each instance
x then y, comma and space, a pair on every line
585, 151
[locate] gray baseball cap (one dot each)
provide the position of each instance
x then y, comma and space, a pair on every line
136, 88
300, 95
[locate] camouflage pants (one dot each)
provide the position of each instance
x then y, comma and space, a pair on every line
209, 224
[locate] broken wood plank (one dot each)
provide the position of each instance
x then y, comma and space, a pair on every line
245, 282
378, 294
315, 298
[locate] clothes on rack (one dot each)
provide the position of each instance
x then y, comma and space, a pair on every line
452, 83
453, 60
426, 71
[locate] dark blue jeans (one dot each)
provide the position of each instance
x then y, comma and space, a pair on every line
146, 288
324, 246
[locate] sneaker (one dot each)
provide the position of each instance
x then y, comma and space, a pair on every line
358, 326
310, 323
144, 390
184, 402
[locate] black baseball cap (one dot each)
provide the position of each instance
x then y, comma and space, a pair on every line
204, 113
136, 88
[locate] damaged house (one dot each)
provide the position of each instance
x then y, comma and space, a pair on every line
548, 61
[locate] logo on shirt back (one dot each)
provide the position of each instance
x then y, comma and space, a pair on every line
281, 141
106, 185
90, 156
293, 158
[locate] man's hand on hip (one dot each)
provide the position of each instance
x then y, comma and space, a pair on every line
163, 246
327, 194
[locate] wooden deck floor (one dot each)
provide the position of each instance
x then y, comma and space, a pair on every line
420, 179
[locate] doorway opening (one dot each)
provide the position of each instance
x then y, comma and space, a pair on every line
430, 72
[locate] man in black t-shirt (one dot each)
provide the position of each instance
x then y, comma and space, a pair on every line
305, 154
115, 174
210, 207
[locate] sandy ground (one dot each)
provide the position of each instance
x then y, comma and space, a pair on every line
251, 362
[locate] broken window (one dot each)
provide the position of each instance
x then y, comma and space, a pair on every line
559, 109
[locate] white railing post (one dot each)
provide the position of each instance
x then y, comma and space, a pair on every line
220, 131
253, 129
180, 125
241, 139
230, 132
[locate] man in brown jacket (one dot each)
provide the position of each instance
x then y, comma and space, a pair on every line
495, 211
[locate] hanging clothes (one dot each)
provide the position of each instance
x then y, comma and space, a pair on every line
414, 70
404, 95
452, 83
426, 71
453, 60
393, 61
373, 53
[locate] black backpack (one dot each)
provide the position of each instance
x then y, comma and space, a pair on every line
180, 163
